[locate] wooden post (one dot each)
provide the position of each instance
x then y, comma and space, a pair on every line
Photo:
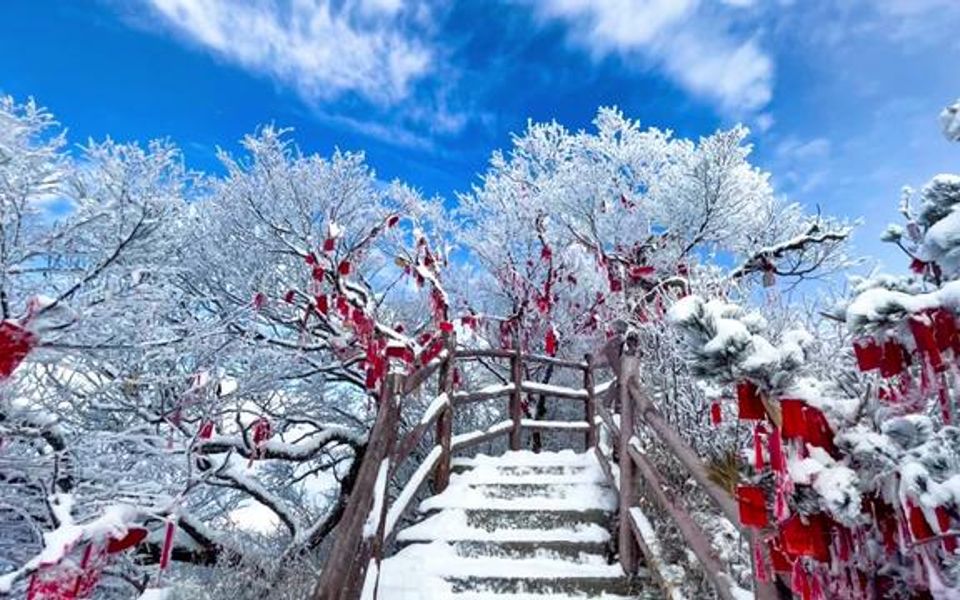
516, 404
590, 404
343, 573
441, 476
628, 474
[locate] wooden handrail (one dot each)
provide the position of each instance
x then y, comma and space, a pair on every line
636, 409
368, 524
369, 521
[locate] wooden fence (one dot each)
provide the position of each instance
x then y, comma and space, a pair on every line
369, 521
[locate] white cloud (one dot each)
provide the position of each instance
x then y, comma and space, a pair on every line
794, 149
322, 48
694, 48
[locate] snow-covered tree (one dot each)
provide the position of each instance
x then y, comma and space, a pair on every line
855, 466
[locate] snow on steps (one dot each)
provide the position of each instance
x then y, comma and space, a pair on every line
521, 526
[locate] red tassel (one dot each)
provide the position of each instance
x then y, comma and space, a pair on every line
758, 430
780, 499
715, 416
919, 527
323, 305
943, 523
289, 296
749, 404
777, 461
798, 582
926, 342
753, 506
329, 244
759, 564
781, 563
816, 588
943, 395
167, 548
446, 327
344, 267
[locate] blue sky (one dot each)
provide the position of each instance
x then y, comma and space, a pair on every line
842, 96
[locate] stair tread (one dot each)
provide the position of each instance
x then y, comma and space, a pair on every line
453, 524
521, 526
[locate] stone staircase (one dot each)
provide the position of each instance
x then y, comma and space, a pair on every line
521, 526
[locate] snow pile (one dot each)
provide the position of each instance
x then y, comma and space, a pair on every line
726, 344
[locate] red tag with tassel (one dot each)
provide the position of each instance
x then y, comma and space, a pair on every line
808, 538
778, 558
749, 404
894, 359
15, 343
758, 431
753, 506
775, 447
868, 354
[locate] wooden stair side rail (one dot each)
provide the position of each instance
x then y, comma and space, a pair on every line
763, 590
441, 476
626, 543
344, 572
692, 534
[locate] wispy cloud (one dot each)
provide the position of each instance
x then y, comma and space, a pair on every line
322, 48
693, 46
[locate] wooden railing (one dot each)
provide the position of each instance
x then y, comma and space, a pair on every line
626, 466
369, 520
368, 523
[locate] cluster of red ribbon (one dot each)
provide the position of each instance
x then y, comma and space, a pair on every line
796, 537
824, 558
68, 580
934, 333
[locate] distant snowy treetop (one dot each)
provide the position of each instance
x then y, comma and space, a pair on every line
950, 121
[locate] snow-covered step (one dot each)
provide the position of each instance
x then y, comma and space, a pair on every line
496, 596
555, 550
582, 586
522, 496
454, 524
521, 526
